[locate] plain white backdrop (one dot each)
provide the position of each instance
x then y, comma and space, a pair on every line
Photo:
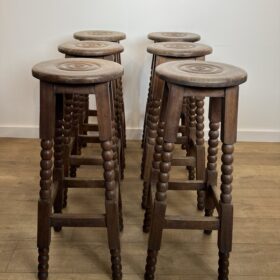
245, 33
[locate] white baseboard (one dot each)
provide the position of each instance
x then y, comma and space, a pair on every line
136, 133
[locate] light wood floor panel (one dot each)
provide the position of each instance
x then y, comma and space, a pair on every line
78, 254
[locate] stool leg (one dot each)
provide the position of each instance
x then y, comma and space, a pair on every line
152, 121
147, 104
156, 158
228, 138
213, 142
75, 151
111, 201
171, 116
47, 113
200, 150
191, 136
67, 133
58, 157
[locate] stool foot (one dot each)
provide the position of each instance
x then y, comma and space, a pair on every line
223, 266
116, 264
145, 195
200, 200
208, 213
43, 265
57, 228
64, 205
151, 265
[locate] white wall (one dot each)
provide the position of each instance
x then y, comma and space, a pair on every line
242, 32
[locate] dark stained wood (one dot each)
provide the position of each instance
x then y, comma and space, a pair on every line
90, 48
77, 220
179, 49
209, 223
61, 118
100, 35
83, 160
223, 108
173, 37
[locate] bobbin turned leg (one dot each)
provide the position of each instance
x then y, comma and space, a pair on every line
172, 117
58, 157
156, 159
228, 138
47, 113
111, 196
211, 171
75, 127
192, 134
200, 150
68, 98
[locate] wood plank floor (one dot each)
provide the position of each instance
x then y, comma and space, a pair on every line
81, 254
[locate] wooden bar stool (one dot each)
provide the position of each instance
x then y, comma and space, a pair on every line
59, 81
164, 52
220, 82
92, 49
164, 37
109, 36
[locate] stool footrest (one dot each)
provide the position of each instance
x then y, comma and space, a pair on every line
89, 138
200, 223
83, 183
186, 161
92, 113
181, 140
77, 160
190, 185
89, 127
77, 220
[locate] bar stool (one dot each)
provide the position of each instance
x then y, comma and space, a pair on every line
164, 52
59, 80
92, 49
220, 83
164, 37
109, 36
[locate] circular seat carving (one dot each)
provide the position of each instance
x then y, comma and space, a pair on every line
179, 49
100, 35
77, 71
90, 48
201, 74
174, 37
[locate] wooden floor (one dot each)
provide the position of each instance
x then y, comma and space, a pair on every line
81, 254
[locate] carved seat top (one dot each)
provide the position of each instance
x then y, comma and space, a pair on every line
100, 35
77, 71
173, 37
201, 74
90, 48
179, 49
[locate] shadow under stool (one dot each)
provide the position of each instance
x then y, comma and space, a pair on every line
109, 36
165, 52
220, 83
102, 50
59, 80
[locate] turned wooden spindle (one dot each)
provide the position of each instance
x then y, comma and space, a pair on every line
200, 149
192, 124
152, 121
67, 129
58, 157
45, 205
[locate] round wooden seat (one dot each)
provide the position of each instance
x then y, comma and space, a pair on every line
201, 74
173, 37
90, 48
179, 49
77, 71
100, 35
